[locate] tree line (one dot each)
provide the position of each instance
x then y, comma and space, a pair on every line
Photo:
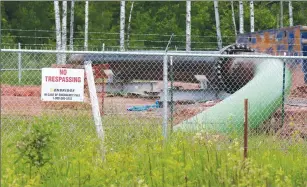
196, 24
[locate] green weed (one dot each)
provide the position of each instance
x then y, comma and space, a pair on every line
136, 156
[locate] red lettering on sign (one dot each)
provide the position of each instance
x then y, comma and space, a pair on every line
62, 79
63, 71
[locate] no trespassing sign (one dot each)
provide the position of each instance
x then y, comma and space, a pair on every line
62, 84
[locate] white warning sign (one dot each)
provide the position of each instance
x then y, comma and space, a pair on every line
62, 84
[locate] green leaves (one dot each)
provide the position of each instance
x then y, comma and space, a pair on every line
35, 145
151, 25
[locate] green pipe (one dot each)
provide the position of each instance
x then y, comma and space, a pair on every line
264, 93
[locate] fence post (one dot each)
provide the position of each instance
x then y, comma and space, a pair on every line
283, 92
103, 47
94, 101
172, 94
165, 98
165, 90
19, 64
245, 127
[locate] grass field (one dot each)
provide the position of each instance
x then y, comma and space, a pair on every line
61, 151
9, 60
29, 77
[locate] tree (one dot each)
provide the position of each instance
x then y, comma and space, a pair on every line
217, 21
233, 18
290, 14
241, 17
86, 26
188, 26
58, 29
281, 19
64, 30
122, 26
151, 22
71, 27
129, 24
252, 17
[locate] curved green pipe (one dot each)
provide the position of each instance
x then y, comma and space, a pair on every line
264, 94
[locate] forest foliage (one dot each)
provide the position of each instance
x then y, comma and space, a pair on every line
151, 25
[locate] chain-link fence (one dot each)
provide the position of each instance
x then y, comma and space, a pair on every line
144, 96
130, 86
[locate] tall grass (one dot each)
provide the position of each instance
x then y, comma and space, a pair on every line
137, 156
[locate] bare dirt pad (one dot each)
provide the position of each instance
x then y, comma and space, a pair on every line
298, 88
21, 105
25, 100
292, 130
24, 91
299, 92
295, 118
184, 112
294, 123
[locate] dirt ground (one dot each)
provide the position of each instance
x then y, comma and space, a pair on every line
299, 88
26, 100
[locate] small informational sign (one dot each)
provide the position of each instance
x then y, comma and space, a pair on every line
62, 84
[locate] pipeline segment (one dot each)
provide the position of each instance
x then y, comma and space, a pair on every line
264, 93
258, 80
127, 67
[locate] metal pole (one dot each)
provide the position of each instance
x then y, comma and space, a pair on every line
19, 64
283, 93
245, 127
172, 87
165, 90
165, 100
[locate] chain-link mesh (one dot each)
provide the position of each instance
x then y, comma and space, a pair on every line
130, 89
206, 95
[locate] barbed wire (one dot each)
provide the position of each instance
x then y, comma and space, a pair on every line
95, 48
103, 39
111, 33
